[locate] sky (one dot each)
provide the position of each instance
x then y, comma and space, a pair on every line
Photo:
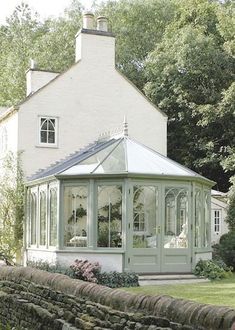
44, 7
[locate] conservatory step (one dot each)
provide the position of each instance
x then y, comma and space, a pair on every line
161, 279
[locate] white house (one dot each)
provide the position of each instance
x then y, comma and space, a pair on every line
219, 207
161, 217
65, 112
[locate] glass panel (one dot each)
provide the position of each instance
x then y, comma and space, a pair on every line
43, 136
176, 218
206, 234
115, 162
198, 218
53, 217
75, 216
51, 137
145, 217
42, 218
51, 124
109, 216
99, 156
44, 124
33, 217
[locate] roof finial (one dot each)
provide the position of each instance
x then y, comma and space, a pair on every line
125, 127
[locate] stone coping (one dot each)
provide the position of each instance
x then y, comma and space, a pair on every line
189, 313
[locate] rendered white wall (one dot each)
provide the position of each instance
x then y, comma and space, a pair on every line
203, 256
36, 79
222, 206
90, 98
40, 255
108, 262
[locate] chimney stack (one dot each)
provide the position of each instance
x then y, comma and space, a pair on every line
102, 24
36, 78
88, 21
94, 43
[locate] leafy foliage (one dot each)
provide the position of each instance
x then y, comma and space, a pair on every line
91, 272
212, 269
46, 266
190, 76
11, 206
226, 248
230, 218
118, 280
180, 52
86, 270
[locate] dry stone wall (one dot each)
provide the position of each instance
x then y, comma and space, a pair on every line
34, 299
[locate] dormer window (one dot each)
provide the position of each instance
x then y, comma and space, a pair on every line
48, 131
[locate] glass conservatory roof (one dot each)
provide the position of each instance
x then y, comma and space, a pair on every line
116, 156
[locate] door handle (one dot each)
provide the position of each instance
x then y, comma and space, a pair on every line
158, 230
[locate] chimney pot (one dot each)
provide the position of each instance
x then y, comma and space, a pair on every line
33, 64
88, 21
102, 23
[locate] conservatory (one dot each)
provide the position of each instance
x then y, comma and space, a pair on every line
121, 204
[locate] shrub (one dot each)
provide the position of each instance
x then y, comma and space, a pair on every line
91, 272
57, 268
86, 270
211, 269
226, 248
118, 280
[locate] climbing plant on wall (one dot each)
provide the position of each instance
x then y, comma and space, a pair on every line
11, 207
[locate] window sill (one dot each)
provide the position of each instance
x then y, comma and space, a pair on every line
81, 250
47, 146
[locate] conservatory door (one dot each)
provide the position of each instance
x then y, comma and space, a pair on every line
144, 230
158, 237
176, 249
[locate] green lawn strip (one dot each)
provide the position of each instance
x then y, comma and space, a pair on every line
217, 292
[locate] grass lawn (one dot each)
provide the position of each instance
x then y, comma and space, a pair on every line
217, 292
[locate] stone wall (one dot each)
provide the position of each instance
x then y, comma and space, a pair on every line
34, 299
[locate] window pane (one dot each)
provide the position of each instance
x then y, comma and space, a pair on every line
206, 233
75, 216
145, 217
42, 218
198, 218
109, 216
43, 136
33, 217
51, 124
176, 218
51, 137
53, 217
44, 124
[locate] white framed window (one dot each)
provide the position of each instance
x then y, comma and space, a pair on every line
217, 220
48, 129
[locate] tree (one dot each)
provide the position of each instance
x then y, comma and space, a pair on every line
190, 76
180, 52
17, 38
25, 37
138, 26
55, 49
11, 207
